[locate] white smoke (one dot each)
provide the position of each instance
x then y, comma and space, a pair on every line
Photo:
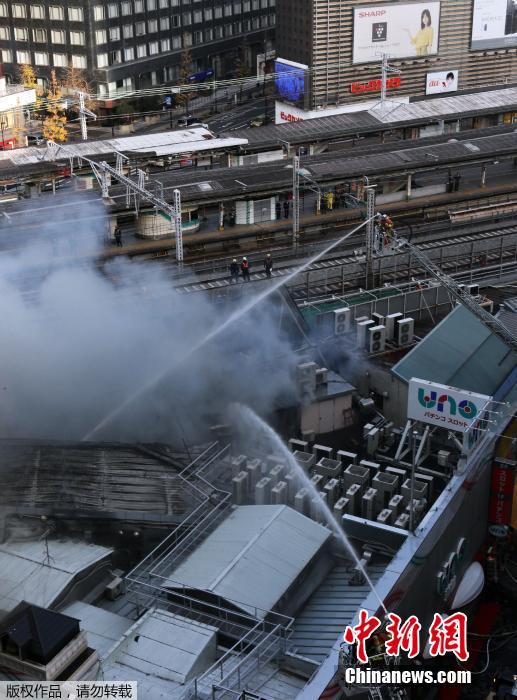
77, 341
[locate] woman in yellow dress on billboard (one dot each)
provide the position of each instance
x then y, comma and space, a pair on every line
423, 39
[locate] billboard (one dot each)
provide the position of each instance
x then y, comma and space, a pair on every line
444, 406
494, 24
444, 81
401, 31
290, 79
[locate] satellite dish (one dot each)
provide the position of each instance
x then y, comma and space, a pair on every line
470, 587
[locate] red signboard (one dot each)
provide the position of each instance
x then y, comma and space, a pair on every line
376, 85
502, 492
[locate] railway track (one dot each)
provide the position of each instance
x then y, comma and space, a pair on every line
334, 262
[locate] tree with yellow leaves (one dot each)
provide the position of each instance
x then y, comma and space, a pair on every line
54, 125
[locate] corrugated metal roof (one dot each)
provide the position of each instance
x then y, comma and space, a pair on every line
253, 557
163, 652
328, 611
103, 628
461, 105
460, 352
28, 572
165, 143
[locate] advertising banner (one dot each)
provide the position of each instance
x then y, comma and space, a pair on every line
445, 81
290, 79
445, 406
494, 24
401, 31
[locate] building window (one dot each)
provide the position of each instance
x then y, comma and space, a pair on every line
153, 47
140, 28
101, 36
198, 16
60, 60
141, 50
151, 5
79, 62
208, 14
165, 24
152, 26
176, 42
6, 55
98, 13
114, 33
19, 11
57, 36
75, 14
112, 10
166, 45
228, 10
187, 19
129, 54
218, 32
164, 4
37, 12
209, 34
228, 30
77, 38
4, 12
21, 34
176, 21
41, 58
56, 13
127, 31
126, 8
23, 57
255, 23
5, 34
139, 6
255, 5
39, 36
187, 39
246, 6
198, 37
218, 11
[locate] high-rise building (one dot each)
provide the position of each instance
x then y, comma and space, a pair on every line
132, 44
434, 46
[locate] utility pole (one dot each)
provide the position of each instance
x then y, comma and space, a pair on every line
177, 226
370, 233
83, 113
296, 199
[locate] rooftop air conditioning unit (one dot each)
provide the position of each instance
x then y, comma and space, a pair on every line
391, 319
404, 331
473, 290
307, 375
342, 321
378, 318
114, 589
322, 376
376, 339
362, 331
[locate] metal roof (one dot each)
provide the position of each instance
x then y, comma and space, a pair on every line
460, 352
103, 628
391, 116
28, 572
162, 652
164, 143
438, 108
253, 557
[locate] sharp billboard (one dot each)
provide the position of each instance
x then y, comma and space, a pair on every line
445, 406
402, 31
494, 24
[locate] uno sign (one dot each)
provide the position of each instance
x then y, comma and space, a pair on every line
444, 406
375, 85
